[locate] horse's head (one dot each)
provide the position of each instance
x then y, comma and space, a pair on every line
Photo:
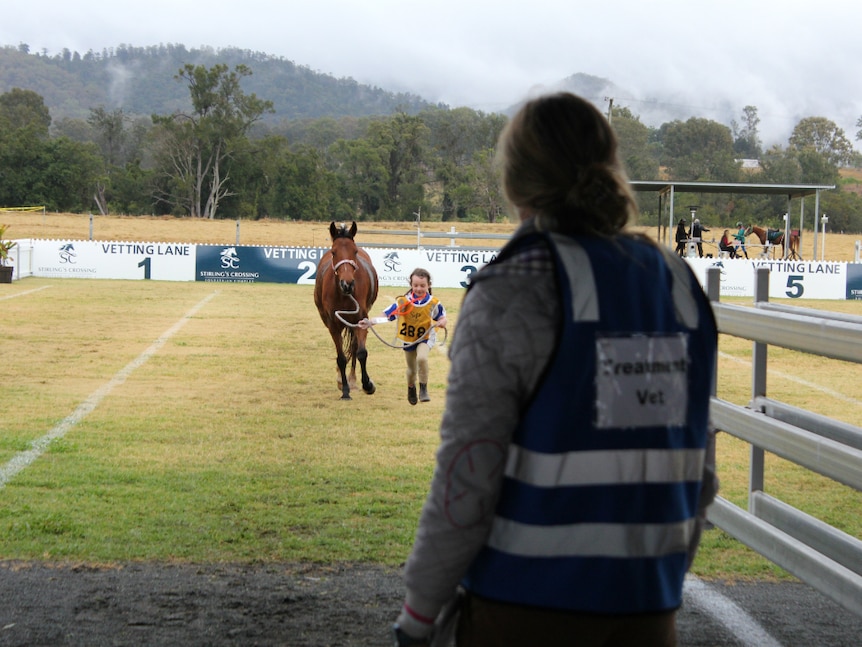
342, 231
344, 252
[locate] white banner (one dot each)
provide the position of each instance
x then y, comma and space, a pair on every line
787, 279
449, 267
113, 260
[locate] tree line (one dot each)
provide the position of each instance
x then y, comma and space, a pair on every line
220, 158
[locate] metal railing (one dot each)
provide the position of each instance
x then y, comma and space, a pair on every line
820, 555
452, 235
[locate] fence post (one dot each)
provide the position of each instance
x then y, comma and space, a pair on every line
713, 293
758, 383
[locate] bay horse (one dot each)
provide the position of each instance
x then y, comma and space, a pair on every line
775, 237
345, 288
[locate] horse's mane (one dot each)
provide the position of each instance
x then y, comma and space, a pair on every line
343, 232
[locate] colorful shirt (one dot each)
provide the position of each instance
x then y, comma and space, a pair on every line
415, 317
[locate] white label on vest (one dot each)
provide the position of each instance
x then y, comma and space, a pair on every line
641, 381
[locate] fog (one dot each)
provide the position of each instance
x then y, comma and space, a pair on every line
668, 59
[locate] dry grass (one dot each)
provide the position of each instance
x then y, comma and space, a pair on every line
230, 443
196, 230
839, 247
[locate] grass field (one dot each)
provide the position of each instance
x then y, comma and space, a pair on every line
203, 424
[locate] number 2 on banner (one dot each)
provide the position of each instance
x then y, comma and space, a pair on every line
308, 268
146, 265
794, 286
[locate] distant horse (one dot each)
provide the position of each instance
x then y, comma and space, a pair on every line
775, 237
344, 291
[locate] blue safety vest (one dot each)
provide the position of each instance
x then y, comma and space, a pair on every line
600, 494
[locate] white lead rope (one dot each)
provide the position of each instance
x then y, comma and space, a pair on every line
370, 323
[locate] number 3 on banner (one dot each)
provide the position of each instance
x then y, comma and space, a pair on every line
146, 265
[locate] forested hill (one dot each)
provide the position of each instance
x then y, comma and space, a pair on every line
140, 80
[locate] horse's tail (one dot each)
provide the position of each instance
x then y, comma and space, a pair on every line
349, 343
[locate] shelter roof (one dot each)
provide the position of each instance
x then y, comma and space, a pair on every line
790, 190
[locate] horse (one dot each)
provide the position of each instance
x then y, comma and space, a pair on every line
775, 238
345, 288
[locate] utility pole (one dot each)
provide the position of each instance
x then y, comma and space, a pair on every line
610, 101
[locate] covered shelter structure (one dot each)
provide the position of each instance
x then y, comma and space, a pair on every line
667, 191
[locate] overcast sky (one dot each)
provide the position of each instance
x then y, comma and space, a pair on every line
791, 59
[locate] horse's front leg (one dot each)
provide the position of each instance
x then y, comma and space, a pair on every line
341, 360
362, 356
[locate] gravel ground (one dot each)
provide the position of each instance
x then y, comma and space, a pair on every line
345, 605
147, 604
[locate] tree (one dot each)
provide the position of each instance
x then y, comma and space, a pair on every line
456, 139
746, 140
698, 150
57, 173
363, 174
110, 131
35, 169
195, 147
484, 187
824, 137
634, 145
401, 142
21, 109
844, 209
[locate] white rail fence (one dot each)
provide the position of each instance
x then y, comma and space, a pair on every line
822, 556
452, 235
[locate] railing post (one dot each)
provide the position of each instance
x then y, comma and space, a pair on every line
713, 293
758, 384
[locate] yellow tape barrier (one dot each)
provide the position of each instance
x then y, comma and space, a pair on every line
22, 209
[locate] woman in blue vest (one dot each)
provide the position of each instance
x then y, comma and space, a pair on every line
575, 463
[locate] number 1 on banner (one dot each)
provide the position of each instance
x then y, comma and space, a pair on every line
146, 265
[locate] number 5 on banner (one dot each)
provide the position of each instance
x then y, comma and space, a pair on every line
794, 286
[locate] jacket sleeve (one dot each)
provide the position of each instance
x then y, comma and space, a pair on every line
708, 492
504, 338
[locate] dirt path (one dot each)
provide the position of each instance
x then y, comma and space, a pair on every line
344, 605
146, 604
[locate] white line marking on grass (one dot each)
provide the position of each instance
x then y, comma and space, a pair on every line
799, 380
21, 294
726, 612
38, 446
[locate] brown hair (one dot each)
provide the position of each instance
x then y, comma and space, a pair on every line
422, 274
559, 159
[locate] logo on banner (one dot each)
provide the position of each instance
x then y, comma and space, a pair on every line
721, 271
67, 253
229, 258
391, 262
